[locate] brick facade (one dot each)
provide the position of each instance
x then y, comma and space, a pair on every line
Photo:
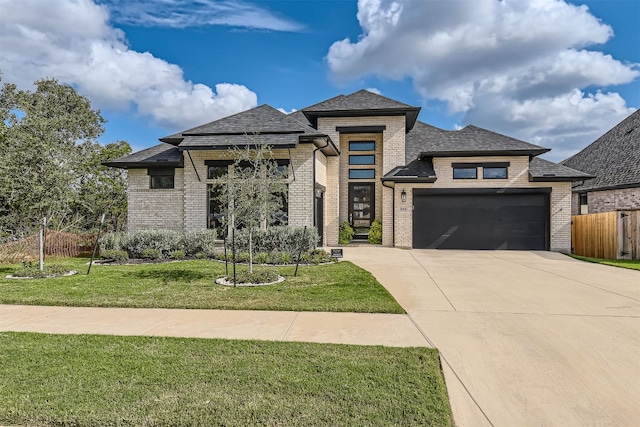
518, 177
153, 209
390, 149
608, 200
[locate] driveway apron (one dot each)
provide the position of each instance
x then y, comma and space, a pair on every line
526, 338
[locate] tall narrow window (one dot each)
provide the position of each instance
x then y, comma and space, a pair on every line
216, 208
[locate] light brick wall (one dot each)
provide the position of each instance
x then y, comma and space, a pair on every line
560, 199
300, 185
154, 209
389, 154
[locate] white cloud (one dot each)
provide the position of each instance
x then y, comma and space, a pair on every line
187, 13
72, 41
506, 64
374, 90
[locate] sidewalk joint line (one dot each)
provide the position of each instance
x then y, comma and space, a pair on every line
426, 337
290, 325
434, 281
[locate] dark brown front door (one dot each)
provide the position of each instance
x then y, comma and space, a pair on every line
361, 206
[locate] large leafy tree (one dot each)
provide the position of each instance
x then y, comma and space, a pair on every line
47, 148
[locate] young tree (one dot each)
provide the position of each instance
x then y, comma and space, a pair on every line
254, 191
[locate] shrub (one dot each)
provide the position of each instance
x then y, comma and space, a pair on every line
262, 275
151, 254
199, 241
30, 269
243, 257
319, 256
281, 239
346, 233
375, 232
201, 255
261, 258
179, 254
280, 258
115, 254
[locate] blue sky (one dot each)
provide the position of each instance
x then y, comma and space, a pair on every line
546, 71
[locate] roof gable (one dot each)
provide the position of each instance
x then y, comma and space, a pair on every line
359, 104
614, 158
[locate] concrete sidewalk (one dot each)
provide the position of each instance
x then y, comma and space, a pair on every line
394, 330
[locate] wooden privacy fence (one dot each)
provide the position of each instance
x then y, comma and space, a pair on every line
609, 235
57, 243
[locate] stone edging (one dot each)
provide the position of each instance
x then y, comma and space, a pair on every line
69, 273
224, 282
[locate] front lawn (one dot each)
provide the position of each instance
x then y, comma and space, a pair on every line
624, 263
191, 284
88, 380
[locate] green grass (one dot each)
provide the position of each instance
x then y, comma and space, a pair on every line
88, 380
631, 264
191, 284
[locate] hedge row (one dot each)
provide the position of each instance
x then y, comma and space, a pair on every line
168, 243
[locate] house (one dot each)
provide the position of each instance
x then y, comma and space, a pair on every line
361, 157
614, 161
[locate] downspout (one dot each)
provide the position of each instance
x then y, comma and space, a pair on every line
194, 165
313, 187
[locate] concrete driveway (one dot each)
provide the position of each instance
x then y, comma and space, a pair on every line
526, 338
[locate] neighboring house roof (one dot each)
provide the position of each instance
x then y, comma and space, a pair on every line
161, 155
542, 170
614, 158
359, 104
429, 141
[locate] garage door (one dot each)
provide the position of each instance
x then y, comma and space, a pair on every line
483, 219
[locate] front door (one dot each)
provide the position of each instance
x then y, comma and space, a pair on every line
361, 207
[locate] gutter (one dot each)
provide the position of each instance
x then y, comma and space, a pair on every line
393, 209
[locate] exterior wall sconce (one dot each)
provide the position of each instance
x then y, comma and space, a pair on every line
403, 196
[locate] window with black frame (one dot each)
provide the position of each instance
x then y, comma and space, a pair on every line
161, 178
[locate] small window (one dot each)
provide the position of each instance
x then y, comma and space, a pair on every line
584, 204
362, 173
161, 182
362, 159
494, 173
214, 172
362, 146
465, 173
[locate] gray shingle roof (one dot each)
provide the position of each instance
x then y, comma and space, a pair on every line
260, 120
544, 171
360, 100
614, 158
419, 170
220, 142
158, 155
361, 103
427, 140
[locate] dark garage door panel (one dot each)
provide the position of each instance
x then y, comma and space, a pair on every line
481, 221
